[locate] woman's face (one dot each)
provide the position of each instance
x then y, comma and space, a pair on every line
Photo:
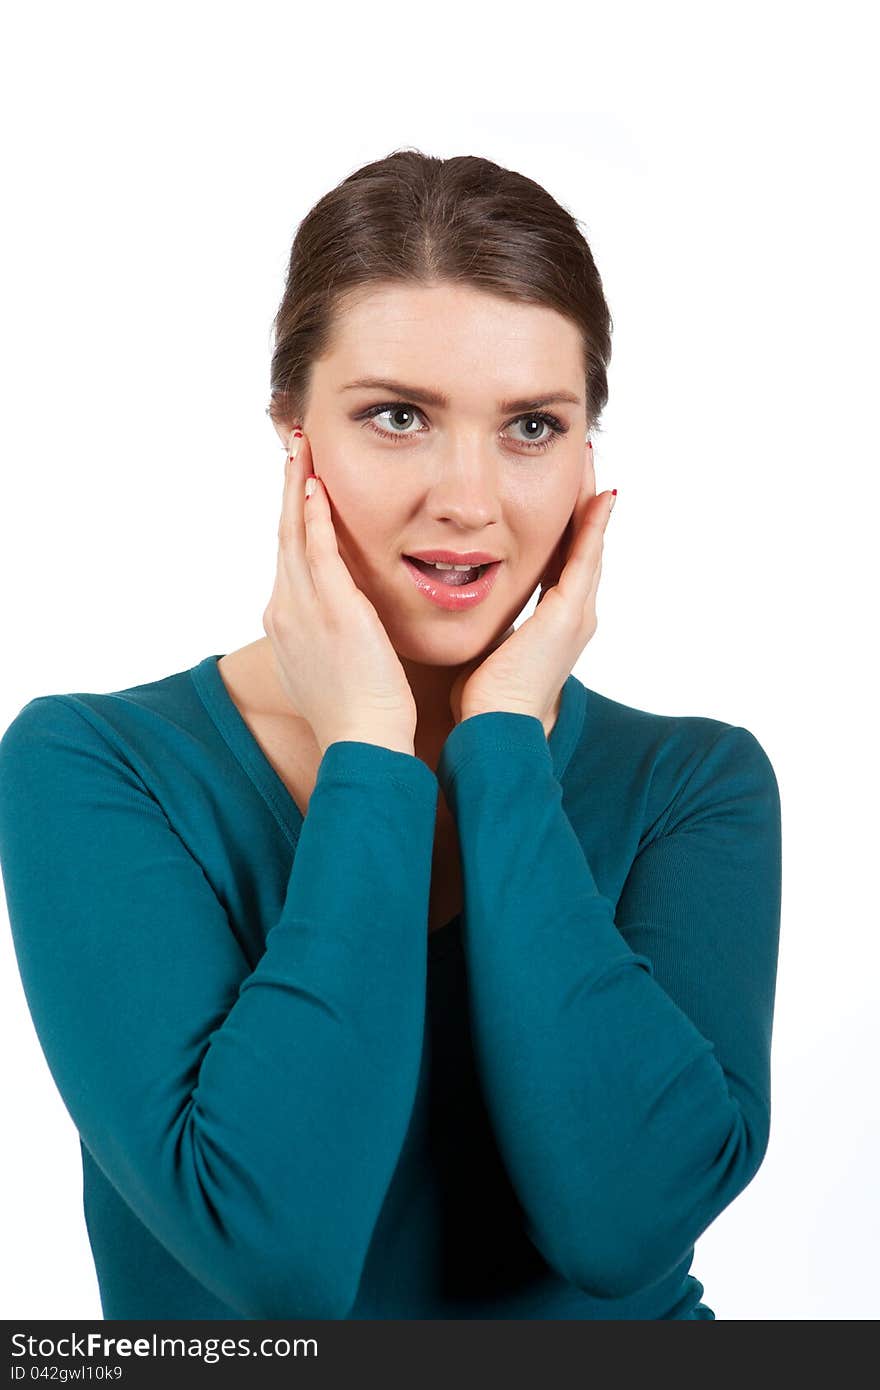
465, 474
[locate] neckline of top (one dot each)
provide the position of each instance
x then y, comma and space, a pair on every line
227, 717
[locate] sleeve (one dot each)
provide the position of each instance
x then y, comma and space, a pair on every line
625, 1059
251, 1118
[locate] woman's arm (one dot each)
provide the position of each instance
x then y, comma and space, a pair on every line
251, 1118
625, 1063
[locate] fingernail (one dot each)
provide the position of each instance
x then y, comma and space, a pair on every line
311, 484
613, 500
294, 443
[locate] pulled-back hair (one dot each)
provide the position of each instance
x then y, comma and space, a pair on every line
415, 219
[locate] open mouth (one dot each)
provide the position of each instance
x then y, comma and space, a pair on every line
454, 590
451, 577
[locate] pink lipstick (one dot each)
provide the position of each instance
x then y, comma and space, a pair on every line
445, 587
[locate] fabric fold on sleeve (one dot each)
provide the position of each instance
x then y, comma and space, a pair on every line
623, 1046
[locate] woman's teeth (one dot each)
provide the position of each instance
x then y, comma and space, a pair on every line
450, 574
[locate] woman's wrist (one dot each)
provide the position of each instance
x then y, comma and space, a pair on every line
396, 742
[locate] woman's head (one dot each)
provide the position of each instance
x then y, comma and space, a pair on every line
466, 281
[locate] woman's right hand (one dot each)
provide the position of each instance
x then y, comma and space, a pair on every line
334, 658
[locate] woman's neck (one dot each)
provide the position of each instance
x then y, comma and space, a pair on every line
431, 687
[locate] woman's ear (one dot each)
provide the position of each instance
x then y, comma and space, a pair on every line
283, 429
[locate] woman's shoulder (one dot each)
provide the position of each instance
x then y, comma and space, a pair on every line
145, 734
77, 711
668, 752
636, 726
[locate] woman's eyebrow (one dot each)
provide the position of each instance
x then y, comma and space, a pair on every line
423, 396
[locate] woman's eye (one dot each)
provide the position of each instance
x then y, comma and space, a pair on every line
539, 440
395, 411
404, 414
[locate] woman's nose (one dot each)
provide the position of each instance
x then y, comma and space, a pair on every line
466, 491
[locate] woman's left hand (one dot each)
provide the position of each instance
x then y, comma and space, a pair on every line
525, 674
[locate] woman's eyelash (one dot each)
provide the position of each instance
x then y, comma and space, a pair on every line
553, 423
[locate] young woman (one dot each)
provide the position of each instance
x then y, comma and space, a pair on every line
386, 969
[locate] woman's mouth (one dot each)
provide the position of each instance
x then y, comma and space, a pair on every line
451, 588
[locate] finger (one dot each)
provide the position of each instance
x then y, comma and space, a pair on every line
587, 489
590, 470
291, 529
561, 551
586, 551
330, 576
586, 493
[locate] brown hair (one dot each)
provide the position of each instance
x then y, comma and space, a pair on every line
413, 218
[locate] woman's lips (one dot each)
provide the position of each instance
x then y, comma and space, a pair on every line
453, 597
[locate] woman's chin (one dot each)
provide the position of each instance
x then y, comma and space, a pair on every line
445, 649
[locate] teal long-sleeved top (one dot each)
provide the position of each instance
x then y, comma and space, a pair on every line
295, 1102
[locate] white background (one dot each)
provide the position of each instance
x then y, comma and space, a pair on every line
721, 158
